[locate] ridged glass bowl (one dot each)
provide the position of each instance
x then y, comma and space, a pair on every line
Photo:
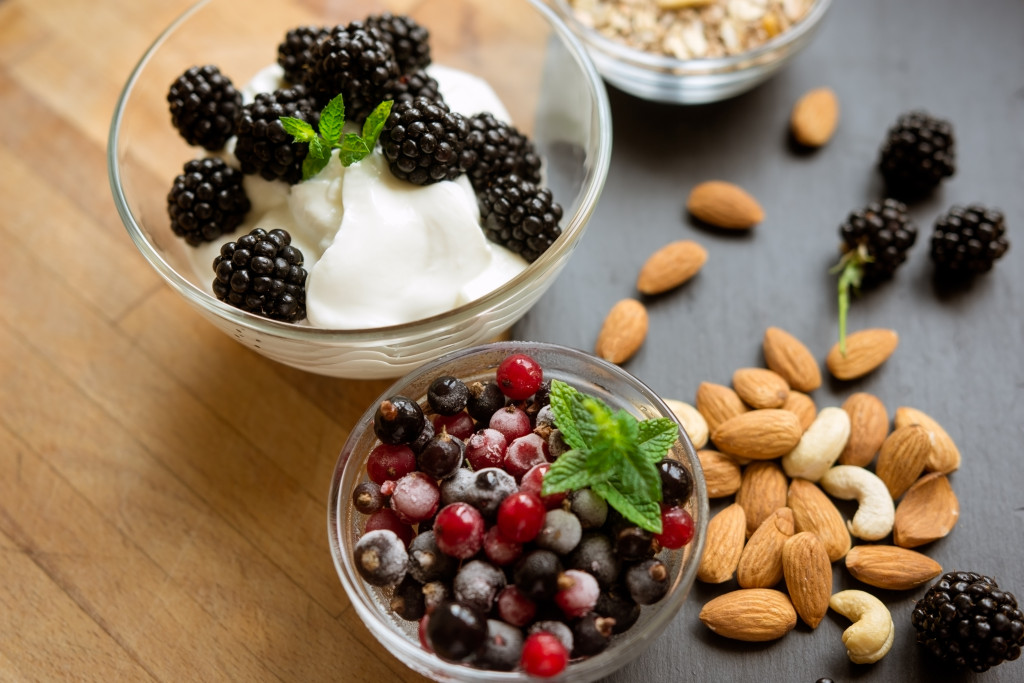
531, 59
588, 374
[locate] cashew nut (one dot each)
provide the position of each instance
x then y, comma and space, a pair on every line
819, 446
872, 632
876, 513
693, 422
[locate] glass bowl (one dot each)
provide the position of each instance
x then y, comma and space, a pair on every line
691, 81
531, 59
588, 374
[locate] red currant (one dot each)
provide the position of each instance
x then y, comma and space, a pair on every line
521, 516
577, 593
532, 481
486, 448
415, 498
388, 461
459, 425
676, 528
385, 518
543, 655
500, 550
519, 376
459, 530
514, 607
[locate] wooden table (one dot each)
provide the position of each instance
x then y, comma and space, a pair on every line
162, 489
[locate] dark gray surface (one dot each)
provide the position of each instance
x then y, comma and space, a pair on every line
959, 357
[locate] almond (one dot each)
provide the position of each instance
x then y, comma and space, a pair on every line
801, 405
814, 117
724, 205
694, 424
902, 460
869, 423
671, 266
758, 434
944, 456
723, 545
865, 351
762, 492
808, 572
722, 475
891, 568
623, 331
760, 388
761, 561
750, 614
814, 511
929, 510
786, 355
718, 403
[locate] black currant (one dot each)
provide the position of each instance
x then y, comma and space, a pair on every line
398, 420
676, 482
455, 630
447, 395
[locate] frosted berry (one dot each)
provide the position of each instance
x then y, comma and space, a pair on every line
523, 454
543, 655
485, 398
459, 530
387, 461
455, 489
634, 544
489, 488
534, 479
577, 593
455, 631
367, 498
591, 634
512, 421
426, 561
486, 448
477, 584
594, 554
407, 601
500, 550
556, 627
521, 516
648, 582
536, 575
437, 592
447, 395
676, 528
561, 532
459, 425
519, 376
590, 508
514, 607
415, 498
503, 647
386, 519
622, 609
441, 456
380, 558
398, 419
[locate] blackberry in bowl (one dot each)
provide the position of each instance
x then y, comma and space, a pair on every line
508, 547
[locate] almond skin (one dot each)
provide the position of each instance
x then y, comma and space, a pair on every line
760, 388
929, 510
762, 492
814, 511
761, 561
671, 266
891, 568
722, 475
717, 403
758, 434
723, 545
902, 460
808, 572
815, 117
801, 405
750, 614
724, 205
944, 456
869, 425
623, 332
865, 351
787, 356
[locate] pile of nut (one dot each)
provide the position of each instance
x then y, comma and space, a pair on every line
780, 456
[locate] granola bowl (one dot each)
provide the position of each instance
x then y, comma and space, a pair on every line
691, 52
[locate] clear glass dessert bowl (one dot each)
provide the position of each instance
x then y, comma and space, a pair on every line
664, 78
587, 374
530, 58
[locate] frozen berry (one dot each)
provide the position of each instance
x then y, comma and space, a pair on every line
556, 627
512, 421
367, 498
455, 630
407, 601
594, 554
380, 558
676, 528
590, 508
556, 445
532, 482
489, 488
577, 593
459, 425
385, 518
536, 575
485, 398
623, 609
500, 550
633, 543
441, 456
426, 561
543, 655
390, 461
523, 454
447, 395
486, 448
455, 489
415, 498
477, 584
421, 440
591, 634
398, 419
503, 647
514, 607
521, 516
648, 581
459, 530
561, 532
519, 376
676, 482
437, 592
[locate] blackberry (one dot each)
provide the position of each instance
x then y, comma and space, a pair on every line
262, 273
356, 61
263, 146
409, 40
423, 141
206, 201
520, 216
409, 86
968, 240
296, 51
495, 149
204, 106
917, 154
965, 620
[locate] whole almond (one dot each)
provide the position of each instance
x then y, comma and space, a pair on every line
722, 475
808, 572
671, 266
724, 205
760, 388
944, 456
786, 355
623, 332
758, 434
813, 511
814, 117
801, 405
891, 568
929, 510
869, 424
750, 614
717, 403
694, 424
761, 561
902, 460
865, 351
762, 492
723, 545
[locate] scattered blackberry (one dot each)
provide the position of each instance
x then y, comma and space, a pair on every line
423, 141
409, 40
520, 216
965, 620
495, 149
262, 273
204, 106
917, 154
206, 201
968, 240
295, 53
409, 86
263, 146
353, 60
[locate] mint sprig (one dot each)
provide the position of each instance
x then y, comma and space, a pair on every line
612, 453
328, 137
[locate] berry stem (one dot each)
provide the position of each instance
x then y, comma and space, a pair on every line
851, 272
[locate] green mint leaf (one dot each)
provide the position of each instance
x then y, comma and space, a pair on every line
353, 148
332, 120
562, 398
568, 473
644, 513
298, 129
374, 123
657, 436
313, 164
591, 416
614, 436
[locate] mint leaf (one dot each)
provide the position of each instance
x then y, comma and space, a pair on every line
332, 120
353, 148
567, 473
298, 129
562, 397
657, 436
614, 436
374, 123
313, 164
645, 514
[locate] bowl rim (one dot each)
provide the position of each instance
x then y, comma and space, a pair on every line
702, 66
403, 648
551, 260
